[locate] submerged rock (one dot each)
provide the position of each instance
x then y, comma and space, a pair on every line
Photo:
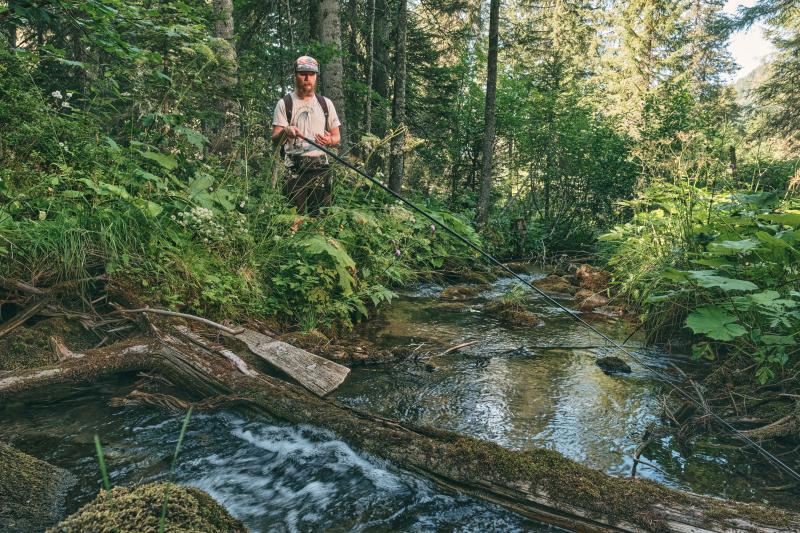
32, 492
589, 301
124, 510
462, 292
514, 314
555, 284
592, 279
613, 365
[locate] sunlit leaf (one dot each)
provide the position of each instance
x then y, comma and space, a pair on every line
715, 322
710, 279
166, 161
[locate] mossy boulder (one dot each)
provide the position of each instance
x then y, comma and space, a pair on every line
132, 510
32, 492
462, 292
555, 285
589, 301
29, 346
514, 313
592, 279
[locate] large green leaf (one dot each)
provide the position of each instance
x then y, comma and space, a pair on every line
733, 247
710, 279
787, 219
194, 137
715, 322
318, 244
165, 160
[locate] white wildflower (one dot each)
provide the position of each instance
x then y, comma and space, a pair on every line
65, 104
69, 95
56, 94
241, 204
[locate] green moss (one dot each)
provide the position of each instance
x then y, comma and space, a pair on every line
564, 480
31, 491
514, 313
29, 347
139, 509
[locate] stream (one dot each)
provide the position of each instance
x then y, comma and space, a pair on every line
280, 477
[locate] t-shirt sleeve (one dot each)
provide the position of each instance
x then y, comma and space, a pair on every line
333, 117
279, 117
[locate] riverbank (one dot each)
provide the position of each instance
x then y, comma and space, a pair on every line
475, 381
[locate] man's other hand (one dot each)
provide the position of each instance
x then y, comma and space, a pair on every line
324, 140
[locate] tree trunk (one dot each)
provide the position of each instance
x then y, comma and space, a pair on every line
314, 22
12, 28
370, 65
332, 71
227, 129
489, 113
381, 61
540, 484
399, 103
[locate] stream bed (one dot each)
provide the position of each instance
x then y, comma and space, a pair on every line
505, 388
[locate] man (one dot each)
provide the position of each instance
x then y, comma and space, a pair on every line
305, 114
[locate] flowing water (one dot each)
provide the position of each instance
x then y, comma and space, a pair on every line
506, 388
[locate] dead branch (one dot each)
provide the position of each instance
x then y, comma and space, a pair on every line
226, 329
20, 318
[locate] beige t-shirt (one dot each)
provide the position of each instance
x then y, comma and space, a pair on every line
309, 118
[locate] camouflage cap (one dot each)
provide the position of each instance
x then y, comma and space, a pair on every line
306, 64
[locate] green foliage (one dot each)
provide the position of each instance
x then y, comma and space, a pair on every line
152, 212
746, 303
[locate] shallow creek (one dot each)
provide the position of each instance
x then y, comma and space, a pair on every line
279, 477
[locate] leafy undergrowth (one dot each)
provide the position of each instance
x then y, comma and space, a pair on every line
149, 209
724, 266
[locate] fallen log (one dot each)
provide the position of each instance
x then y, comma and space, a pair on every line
540, 484
317, 374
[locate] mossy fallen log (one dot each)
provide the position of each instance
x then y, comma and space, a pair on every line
540, 484
32, 492
125, 510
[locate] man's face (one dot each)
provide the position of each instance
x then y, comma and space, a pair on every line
305, 82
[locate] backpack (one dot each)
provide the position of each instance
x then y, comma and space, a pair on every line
288, 103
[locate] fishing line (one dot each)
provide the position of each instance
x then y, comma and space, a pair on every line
613, 344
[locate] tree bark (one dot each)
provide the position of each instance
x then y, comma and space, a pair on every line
332, 70
227, 129
399, 104
381, 61
489, 113
370, 66
540, 484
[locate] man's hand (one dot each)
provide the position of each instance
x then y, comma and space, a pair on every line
324, 140
292, 132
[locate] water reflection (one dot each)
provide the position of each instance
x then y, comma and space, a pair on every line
506, 390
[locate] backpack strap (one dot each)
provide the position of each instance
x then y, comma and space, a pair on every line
323, 103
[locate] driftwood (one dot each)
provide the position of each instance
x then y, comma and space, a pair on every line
540, 484
317, 374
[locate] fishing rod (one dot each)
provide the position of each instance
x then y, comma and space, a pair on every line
611, 342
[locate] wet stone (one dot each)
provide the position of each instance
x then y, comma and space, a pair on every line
555, 285
613, 365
